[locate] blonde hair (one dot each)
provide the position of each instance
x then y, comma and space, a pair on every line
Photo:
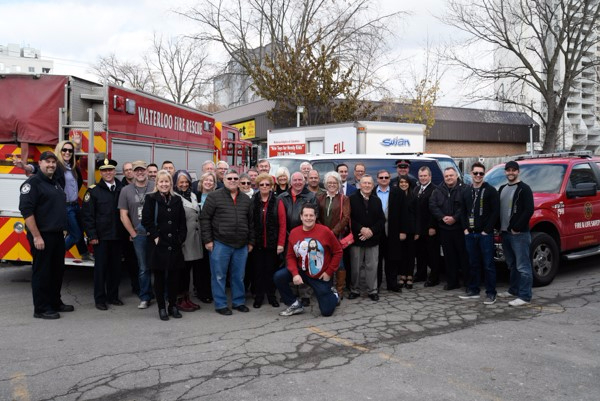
204, 177
61, 161
159, 175
263, 177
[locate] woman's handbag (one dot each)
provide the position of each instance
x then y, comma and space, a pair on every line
348, 240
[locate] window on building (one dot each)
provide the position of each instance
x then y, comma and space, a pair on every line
31, 69
46, 70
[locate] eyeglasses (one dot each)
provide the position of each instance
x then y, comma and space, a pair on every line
481, 173
245, 182
385, 177
232, 178
264, 184
332, 183
66, 150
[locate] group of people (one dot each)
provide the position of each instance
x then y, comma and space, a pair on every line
262, 233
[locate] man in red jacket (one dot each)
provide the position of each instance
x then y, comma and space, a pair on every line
313, 255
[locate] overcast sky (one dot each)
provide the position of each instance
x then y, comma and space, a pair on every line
75, 33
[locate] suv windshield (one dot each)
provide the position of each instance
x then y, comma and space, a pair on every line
544, 178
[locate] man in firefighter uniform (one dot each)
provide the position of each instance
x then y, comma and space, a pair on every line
42, 204
104, 229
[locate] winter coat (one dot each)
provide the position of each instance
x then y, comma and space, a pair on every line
168, 224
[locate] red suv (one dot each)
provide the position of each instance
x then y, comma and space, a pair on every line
566, 218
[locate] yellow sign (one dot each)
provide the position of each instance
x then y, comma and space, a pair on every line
247, 129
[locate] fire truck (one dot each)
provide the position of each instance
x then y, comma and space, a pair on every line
103, 121
229, 147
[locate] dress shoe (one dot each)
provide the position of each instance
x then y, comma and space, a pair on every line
184, 307
65, 308
305, 302
173, 311
241, 308
374, 297
450, 287
162, 313
191, 304
353, 295
117, 302
46, 315
274, 303
396, 289
101, 307
224, 311
206, 300
431, 283
257, 304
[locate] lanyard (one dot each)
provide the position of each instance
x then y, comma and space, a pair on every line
480, 192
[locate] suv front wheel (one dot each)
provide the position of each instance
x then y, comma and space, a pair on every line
544, 258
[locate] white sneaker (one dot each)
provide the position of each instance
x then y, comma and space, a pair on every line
143, 305
294, 309
505, 294
518, 302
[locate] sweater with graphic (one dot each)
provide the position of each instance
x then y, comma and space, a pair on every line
315, 252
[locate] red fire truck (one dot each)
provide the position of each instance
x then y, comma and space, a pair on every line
36, 111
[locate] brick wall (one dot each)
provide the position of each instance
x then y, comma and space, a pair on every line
475, 149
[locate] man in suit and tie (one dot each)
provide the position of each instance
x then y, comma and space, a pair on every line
346, 188
427, 241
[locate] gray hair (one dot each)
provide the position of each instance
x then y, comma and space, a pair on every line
207, 162
223, 162
282, 171
232, 171
305, 164
335, 175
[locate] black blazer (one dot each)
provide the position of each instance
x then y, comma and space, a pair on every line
371, 216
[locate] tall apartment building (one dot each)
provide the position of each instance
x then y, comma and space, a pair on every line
580, 127
17, 59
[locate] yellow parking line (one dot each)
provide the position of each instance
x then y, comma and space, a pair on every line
19, 386
391, 358
338, 340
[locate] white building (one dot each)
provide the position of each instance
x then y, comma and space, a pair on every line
17, 59
579, 129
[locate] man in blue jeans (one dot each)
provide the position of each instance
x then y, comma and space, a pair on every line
479, 216
227, 229
516, 208
131, 203
313, 255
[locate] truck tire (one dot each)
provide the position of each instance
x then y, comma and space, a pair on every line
544, 258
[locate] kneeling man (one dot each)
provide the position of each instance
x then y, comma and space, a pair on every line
313, 256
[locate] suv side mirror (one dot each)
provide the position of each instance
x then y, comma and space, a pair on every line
582, 190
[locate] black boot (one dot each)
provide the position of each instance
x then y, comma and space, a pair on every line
162, 313
173, 311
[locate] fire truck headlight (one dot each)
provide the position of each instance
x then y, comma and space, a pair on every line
19, 227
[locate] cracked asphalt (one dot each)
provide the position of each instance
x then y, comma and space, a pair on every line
422, 344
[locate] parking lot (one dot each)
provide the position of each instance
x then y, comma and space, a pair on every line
423, 344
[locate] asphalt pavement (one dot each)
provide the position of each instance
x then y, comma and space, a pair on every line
422, 344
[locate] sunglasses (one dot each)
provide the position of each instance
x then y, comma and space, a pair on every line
66, 150
402, 166
385, 177
264, 184
232, 178
481, 173
245, 182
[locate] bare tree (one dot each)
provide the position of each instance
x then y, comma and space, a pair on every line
292, 31
542, 45
177, 68
133, 75
422, 88
181, 68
